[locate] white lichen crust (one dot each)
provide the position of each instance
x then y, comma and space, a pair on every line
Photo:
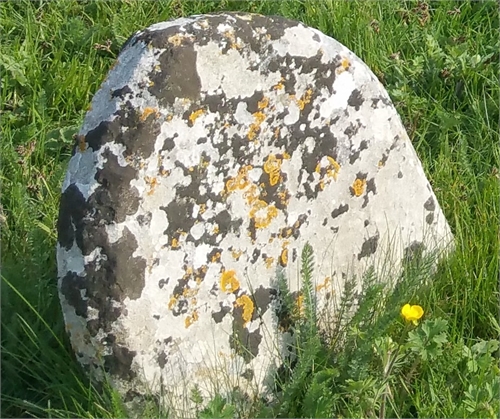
215, 149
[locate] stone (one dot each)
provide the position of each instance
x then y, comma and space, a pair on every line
216, 148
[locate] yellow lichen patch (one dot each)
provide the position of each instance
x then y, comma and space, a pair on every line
286, 156
263, 214
300, 304
277, 132
263, 103
151, 83
228, 281
274, 178
175, 243
236, 254
246, 302
177, 39
251, 194
216, 257
203, 208
189, 292
240, 181
284, 197
82, 145
259, 118
381, 163
169, 118
191, 319
196, 114
172, 302
269, 262
148, 111
358, 187
284, 257
152, 182
272, 167
279, 85
324, 284
334, 168
215, 229
305, 99
344, 65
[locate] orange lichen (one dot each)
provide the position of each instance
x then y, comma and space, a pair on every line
82, 145
148, 111
259, 118
240, 181
324, 284
177, 39
251, 194
344, 65
284, 257
305, 99
300, 304
191, 319
196, 114
272, 167
279, 85
263, 103
263, 214
172, 302
152, 183
333, 169
236, 254
358, 187
284, 197
246, 302
269, 262
228, 281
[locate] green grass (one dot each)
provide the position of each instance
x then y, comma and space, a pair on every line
439, 62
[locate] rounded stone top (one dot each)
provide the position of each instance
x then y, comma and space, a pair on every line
216, 148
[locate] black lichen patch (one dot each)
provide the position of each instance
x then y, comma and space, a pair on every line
219, 315
178, 77
122, 92
369, 247
179, 214
115, 198
263, 297
248, 374
340, 210
71, 287
120, 362
429, 218
110, 280
242, 342
356, 99
413, 252
430, 205
138, 139
72, 209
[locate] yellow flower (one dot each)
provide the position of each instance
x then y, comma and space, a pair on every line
412, 313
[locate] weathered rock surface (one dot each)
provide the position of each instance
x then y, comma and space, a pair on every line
215, 149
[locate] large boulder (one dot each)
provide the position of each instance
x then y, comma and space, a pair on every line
216, 148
